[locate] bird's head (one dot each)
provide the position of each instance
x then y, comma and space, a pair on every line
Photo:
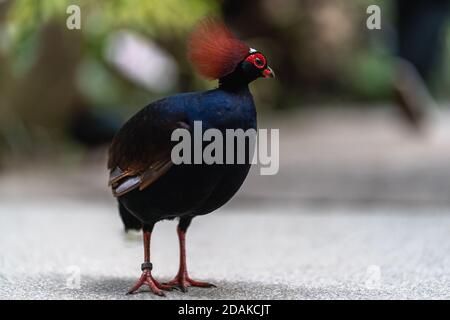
217, 54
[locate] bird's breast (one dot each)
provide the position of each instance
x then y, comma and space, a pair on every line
224, 110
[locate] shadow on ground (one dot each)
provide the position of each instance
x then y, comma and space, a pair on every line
114, 288
108, 287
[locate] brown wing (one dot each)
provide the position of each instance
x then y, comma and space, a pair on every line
140, 151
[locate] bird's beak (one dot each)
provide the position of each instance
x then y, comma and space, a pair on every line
268, 73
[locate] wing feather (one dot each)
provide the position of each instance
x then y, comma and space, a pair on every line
140, 152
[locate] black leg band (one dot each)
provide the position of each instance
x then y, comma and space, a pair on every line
146, 266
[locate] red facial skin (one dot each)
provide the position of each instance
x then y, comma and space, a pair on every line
260, 62
257, 59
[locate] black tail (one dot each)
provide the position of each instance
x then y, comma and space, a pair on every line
129, 221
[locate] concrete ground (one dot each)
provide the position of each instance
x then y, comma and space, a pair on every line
268, 253
359, 210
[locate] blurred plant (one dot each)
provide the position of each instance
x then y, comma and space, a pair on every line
320, 50
313, 44
46, 69
154, 17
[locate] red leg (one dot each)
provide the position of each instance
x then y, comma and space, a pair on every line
182, 279
146, 277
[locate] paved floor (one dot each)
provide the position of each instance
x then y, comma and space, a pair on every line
270, 253
359, 210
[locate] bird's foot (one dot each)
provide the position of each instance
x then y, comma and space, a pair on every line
147, 278
182, 281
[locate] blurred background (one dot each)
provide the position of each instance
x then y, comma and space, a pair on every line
363, 114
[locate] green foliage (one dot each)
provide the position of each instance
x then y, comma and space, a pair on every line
166, 22
155, 17
370, 75
441, 78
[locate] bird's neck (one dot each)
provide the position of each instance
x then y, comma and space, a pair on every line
233, 82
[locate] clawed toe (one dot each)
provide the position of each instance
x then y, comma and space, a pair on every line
155, 286
183, 282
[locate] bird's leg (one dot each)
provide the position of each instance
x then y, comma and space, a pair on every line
182, 279
146, 277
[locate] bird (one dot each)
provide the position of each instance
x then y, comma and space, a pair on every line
147, 184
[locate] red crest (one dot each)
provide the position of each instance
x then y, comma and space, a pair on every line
214, 50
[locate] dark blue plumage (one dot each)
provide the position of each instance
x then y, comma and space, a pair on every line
149, 186
190, 190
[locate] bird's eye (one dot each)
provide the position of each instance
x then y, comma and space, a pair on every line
259, 63
257, 59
